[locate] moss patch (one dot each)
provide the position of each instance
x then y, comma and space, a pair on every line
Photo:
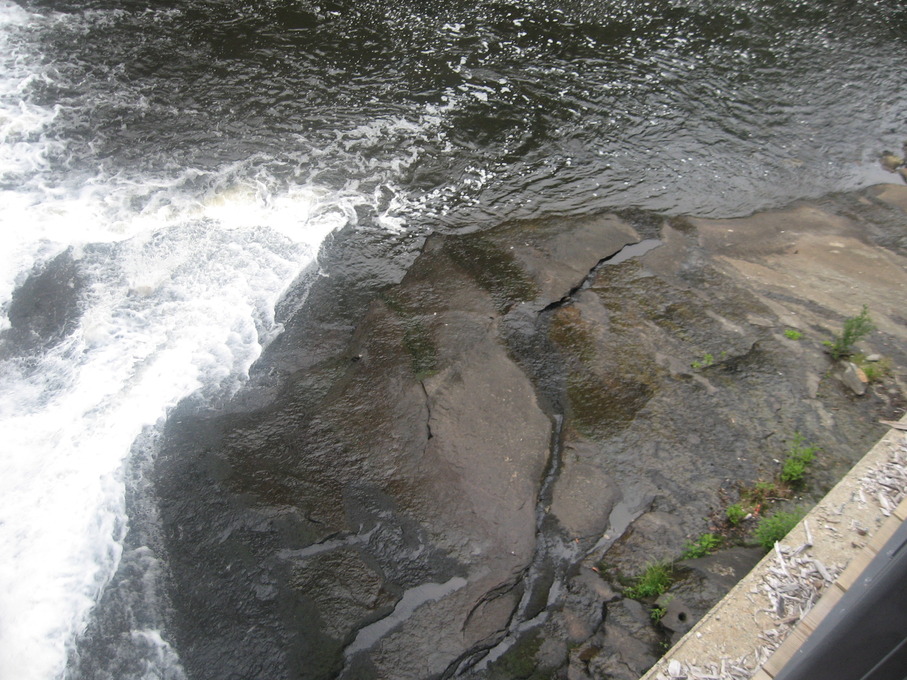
601, 405
493, 268
572, 334
417, 338
422, 350
520, 661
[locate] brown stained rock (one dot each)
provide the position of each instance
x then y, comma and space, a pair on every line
890, 194
820, 262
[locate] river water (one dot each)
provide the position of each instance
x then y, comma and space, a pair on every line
168, 171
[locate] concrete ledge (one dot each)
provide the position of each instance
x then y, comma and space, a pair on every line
843, 532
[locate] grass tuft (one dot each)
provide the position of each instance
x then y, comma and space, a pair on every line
706, 544
799, 457
654, 581
773, 528
735, 514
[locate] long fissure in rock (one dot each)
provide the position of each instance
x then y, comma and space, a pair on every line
428, 433
631, 250
554, 554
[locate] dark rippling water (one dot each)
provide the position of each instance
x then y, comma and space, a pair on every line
169, 169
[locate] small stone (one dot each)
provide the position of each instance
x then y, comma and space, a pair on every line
890, 161
874, 357
854, 378
674, 667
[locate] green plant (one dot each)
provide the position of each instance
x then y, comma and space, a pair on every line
875, 370
793, 334
657, 613
855, 327
765, 489
707, 360
773, 528
799, 456
735, 514
655, 580
706, 544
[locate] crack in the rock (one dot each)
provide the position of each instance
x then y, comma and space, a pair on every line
496, 592
635, 249
474, 654
350, 639
428, 431
542, 555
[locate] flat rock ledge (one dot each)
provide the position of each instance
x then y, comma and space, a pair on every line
456, 477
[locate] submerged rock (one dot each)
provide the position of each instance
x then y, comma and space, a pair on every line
44, 308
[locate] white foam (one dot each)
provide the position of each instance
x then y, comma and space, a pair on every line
176, 306
159, 655
181, 299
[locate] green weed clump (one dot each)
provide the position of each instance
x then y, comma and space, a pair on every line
654, 581
706, 544
773, 528
799, 456
735, 514
657, 613
855, 328
707, 360
793, 334
875, 370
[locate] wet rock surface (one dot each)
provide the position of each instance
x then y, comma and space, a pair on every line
453, 474
44, 308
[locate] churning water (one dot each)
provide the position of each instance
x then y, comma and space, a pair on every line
169, 169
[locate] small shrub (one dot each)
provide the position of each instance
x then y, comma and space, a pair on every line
774, 527
855, 328
735, 514
655, 580
706, 544
792, 334
793, 470
799, 456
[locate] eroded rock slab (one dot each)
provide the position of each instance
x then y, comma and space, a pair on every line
408, 488
457, 481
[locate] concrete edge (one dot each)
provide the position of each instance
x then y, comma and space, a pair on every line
844, 529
